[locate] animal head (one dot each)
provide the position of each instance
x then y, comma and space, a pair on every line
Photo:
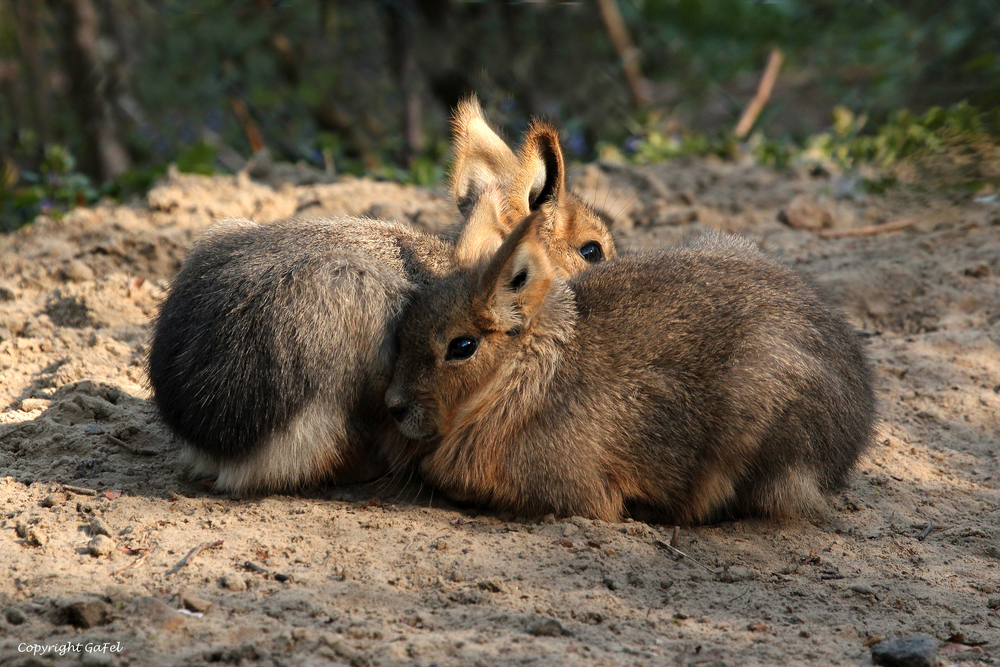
480, 337
495, 189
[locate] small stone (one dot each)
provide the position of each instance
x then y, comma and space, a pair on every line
37, 537
100, 545
491, 586
731, 575
993, 603
76, 271
611, 584
87, 613
21, 528
549, 627
94, 429
234, 582
862, 589
199, 605
549, 518
804, 213
980, 270
98, 527
32, 404
15, 616
50, 500
918, 651
151, 611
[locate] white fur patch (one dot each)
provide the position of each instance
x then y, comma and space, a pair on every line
311, 448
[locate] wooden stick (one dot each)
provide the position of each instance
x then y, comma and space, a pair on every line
124, 445
249, 126
191, 554
79, 490
764, 89
871, 230
626, 51
138, 562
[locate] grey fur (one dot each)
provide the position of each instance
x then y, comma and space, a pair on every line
266, 323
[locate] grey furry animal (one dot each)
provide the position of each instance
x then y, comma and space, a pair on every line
687, 385
272, 352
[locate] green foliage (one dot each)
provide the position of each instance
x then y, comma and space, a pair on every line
57, 188
53, 190
961, 130
320, 82
198, 158
958, 146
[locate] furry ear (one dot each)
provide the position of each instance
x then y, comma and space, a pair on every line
515, 282
484, 230
542, 175
482, 158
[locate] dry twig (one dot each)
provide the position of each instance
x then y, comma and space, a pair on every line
629, 53
664, 545
124, 445
191, 554
79, 490
871, 230
764, 89
138, 562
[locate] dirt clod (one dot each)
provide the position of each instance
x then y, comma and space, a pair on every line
101, 546
548, 627
87, 613
150, 611
234, 582
15, 616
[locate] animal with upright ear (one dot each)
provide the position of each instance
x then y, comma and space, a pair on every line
687, 385
272, 352
574, 234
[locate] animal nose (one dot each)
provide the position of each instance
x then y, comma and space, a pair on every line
396, 401
398, 411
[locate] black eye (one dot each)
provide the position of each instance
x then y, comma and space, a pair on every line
462, 347
518, 282
592, 252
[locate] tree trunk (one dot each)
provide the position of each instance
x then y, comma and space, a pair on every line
89, 82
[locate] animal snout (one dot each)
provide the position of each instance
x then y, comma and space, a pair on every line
399, 411
397, 404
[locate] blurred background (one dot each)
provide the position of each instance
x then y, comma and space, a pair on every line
98, 97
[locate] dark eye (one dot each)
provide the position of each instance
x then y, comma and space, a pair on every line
518, 281
462, 347
592, 252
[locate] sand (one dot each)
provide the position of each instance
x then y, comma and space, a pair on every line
98, 514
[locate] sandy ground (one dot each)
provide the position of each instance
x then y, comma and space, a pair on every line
364, 576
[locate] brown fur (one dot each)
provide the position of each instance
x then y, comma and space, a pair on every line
691, 384
271, 354
485, 168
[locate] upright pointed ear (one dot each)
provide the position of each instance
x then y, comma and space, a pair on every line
542, 175
483, 231
482, 158
515, 282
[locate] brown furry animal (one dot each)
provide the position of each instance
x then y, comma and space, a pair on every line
691, 385
273, 350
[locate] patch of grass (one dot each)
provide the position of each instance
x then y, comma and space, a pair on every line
957, 147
